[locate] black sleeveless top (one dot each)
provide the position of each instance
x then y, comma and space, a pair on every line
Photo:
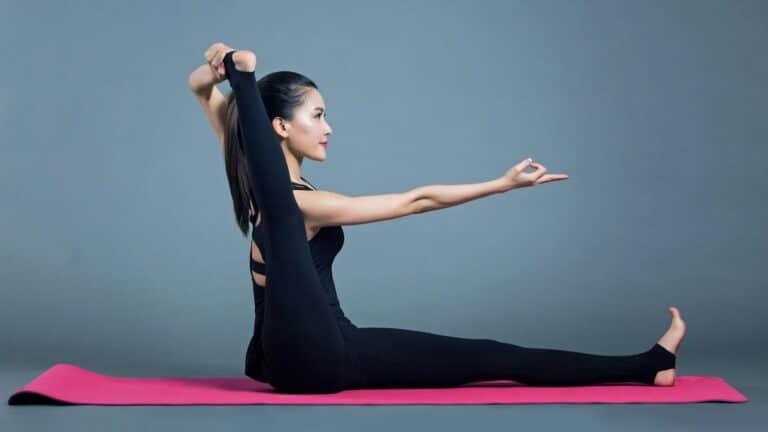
324, 247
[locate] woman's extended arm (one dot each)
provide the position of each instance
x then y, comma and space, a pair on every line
434, 197
325, 208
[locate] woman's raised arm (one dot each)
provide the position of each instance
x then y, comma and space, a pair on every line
202, 82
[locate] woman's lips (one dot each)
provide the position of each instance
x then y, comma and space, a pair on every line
324, 144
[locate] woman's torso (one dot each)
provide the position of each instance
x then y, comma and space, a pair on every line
324, 244
258, 266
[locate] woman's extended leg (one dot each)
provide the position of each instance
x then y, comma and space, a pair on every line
391, 357
303, 345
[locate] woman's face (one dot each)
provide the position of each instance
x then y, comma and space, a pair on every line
308, 131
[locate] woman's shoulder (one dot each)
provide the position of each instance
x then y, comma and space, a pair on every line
307, 186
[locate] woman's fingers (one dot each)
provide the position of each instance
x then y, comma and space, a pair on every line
223, 50
540, 170
215, 53
210, 52
217, 57
214, 56
216, 73
540, 176
551, 177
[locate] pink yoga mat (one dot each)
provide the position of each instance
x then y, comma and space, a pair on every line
69, 384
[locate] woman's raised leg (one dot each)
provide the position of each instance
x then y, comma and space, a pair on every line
303, 345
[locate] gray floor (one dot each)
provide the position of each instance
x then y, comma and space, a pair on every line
747, 376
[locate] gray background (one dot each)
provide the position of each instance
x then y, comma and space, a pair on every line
120, 252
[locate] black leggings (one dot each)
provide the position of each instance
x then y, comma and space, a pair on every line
306, 350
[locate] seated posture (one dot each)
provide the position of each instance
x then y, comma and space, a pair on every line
302, 341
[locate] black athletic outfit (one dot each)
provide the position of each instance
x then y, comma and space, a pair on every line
302, 341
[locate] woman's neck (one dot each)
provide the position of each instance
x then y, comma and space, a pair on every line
294, 165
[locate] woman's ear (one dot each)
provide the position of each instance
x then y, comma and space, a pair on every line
281, 127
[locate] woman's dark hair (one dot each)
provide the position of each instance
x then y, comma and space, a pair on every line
281, 92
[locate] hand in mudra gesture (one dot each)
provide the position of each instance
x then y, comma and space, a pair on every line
517, 177
244, 60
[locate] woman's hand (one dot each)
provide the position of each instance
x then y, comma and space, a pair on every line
214, 56
244, 60
202, 79
516, 176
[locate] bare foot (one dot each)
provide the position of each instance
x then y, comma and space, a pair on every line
244, 60
671, 342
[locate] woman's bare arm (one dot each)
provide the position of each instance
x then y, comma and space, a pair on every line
324, 208
210, 98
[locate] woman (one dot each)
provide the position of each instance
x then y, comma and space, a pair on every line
302, 341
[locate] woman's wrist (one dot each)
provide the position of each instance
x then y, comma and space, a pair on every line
505, 184
201, 80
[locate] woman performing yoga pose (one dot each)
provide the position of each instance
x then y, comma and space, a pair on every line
302, 342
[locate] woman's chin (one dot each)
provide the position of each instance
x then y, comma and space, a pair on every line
319, 156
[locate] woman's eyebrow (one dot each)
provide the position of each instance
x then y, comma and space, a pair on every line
319, 108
